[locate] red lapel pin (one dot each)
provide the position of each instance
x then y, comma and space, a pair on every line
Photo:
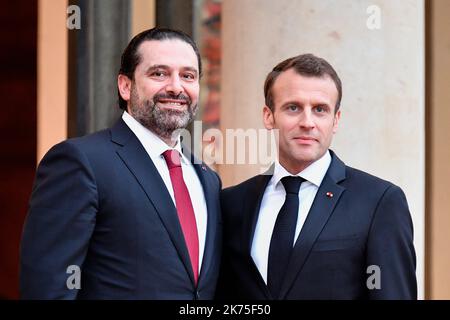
329, 194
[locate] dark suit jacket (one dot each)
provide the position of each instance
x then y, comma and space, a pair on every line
98, 202
366, 222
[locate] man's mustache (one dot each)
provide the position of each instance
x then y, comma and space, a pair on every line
183, 98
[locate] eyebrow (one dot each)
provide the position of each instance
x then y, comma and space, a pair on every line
315, 103
191, 69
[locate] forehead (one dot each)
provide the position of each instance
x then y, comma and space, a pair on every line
290, 85
174, 53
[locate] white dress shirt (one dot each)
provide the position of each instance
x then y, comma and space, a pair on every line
273, 200
155, 147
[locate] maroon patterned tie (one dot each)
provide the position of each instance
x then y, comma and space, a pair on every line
184, 207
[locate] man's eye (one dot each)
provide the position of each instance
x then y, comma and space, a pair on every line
320, 109
189, 76
292, 107
158, 74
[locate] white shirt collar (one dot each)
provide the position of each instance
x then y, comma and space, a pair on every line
153, 144
314, 173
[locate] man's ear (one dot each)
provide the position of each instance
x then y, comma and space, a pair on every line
337, 117
124, 85
269, 121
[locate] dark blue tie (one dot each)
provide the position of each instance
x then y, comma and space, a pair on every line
283, 235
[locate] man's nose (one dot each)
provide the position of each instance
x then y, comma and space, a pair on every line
174, 86
307, 119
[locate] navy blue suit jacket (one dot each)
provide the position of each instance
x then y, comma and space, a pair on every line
365, 223
99, 203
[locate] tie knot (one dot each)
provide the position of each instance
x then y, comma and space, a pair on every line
292, 184
172, 158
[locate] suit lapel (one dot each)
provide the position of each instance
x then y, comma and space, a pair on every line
252, 206
318, 216
212, 211
140, 164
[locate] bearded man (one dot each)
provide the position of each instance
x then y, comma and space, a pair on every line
123, 213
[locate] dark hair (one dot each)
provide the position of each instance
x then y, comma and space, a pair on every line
306, 65
131, 58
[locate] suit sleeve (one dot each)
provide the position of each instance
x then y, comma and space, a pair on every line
390, 247
59, 224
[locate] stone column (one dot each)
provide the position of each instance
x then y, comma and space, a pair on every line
438, 151
52, 75
377, 47
143, 15
97, 48
176, 14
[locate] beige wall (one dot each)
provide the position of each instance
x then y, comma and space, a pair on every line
438, 222
52, 75
382, 130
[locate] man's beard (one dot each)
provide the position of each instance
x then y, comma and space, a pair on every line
163, 122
